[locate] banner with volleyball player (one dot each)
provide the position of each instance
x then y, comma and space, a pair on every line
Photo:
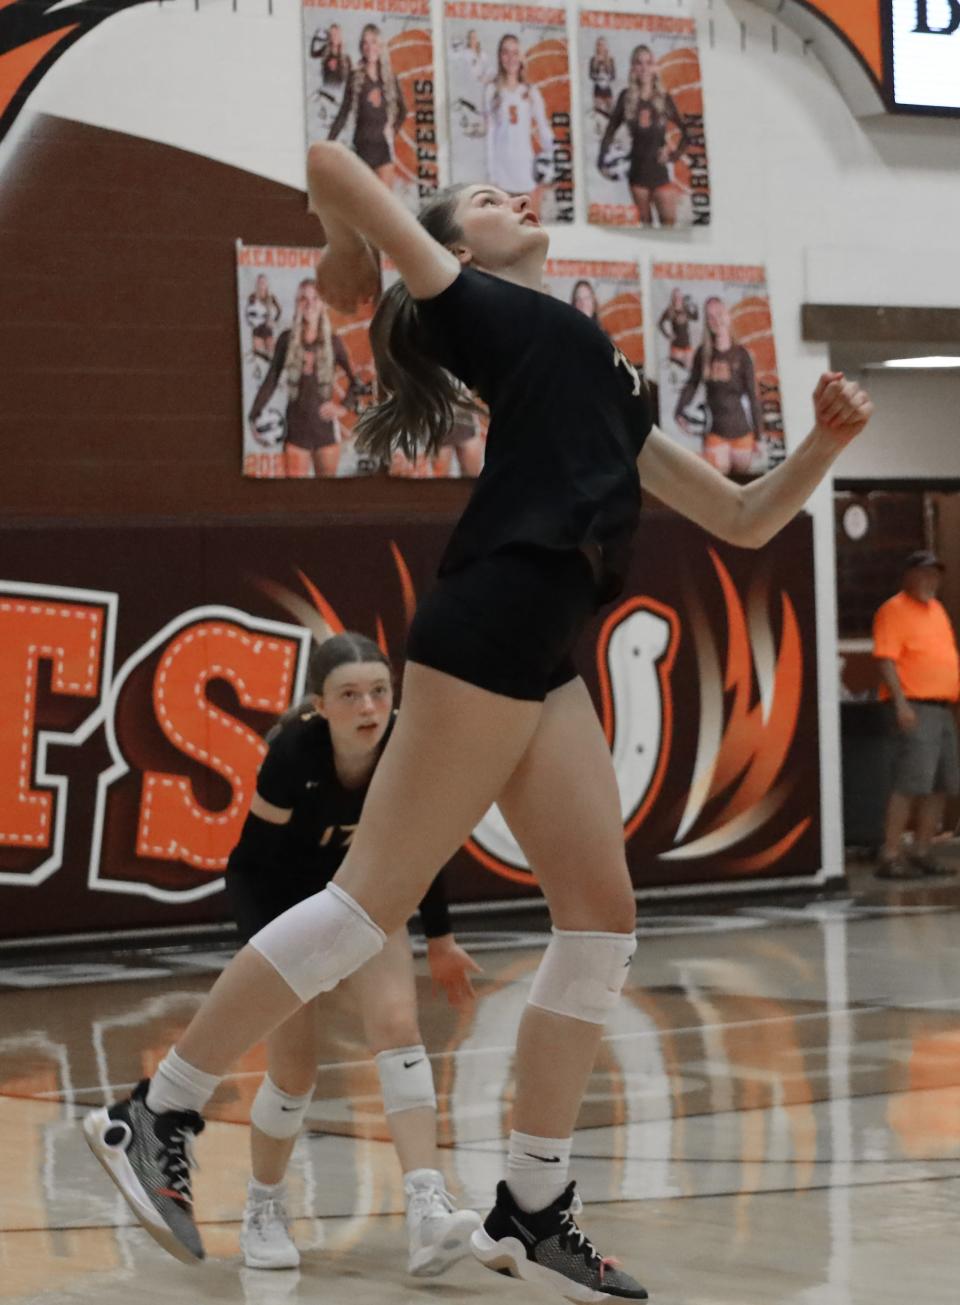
605, 290
369, 82
643, 122
462, 452
716, 364
508, 97
306, 369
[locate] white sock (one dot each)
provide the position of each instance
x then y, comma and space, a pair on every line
416, 1178
178, 1085
537, 1169
258, 1193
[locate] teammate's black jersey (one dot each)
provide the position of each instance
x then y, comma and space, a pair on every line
568, 417
292, 861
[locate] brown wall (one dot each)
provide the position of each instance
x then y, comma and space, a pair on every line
118, 337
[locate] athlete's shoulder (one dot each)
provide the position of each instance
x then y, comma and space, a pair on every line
302, 728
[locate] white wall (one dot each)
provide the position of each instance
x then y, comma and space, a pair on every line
840, 210
916, 429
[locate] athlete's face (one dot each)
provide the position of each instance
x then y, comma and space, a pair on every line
370, 46
261, 286
602, 49
923, 582
357, 699
498, 229
585, 301
676, 299
718, 315
335, 37
510, 57
309, 302
642, 63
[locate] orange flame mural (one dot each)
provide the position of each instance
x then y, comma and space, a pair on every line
741, 751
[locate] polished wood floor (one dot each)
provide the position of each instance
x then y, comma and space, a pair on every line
774, 1117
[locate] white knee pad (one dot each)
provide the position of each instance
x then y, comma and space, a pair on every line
276, 1113
319, 941
582, 974
406, 1079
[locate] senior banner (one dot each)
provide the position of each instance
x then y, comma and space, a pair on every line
716, 364
605, 290
141, 667
642, 117
306, 369
369, 82
508, 97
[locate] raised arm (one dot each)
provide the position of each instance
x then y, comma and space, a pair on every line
544, 130
272, 378
690, 388
675, 116
343, 113
355, 208
750, 515
613, 125
752, 391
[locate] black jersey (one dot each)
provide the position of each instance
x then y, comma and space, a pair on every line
728, 379
294, 860
305, 427
568, 417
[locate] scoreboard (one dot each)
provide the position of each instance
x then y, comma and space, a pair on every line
888, 56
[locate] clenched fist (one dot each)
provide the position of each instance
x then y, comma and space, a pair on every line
348, 277
841, 406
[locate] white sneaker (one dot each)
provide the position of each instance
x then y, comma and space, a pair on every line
265, 1236
439, 1233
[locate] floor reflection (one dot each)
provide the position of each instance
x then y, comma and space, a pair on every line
774, 1116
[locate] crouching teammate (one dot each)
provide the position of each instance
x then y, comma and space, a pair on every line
493, 708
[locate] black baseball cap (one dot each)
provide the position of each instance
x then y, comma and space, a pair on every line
923, 557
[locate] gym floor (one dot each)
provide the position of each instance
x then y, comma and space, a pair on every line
774, 1117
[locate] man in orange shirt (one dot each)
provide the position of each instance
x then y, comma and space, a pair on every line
915, 646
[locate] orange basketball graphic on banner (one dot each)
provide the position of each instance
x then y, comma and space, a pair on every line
753, 327
622, 319
548, 69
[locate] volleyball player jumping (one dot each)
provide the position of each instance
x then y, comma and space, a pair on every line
492, 709
309, 796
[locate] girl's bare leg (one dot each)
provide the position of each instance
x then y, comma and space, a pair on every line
442, 460
641, 197
742, 459
563, 806
326, 460
297, 463
452, 751
470, 456
665, 202
718, 455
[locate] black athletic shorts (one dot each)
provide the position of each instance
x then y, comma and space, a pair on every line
255, 898
509, 622
646, 171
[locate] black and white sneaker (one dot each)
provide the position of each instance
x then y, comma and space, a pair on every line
548, 1248
149, 1157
